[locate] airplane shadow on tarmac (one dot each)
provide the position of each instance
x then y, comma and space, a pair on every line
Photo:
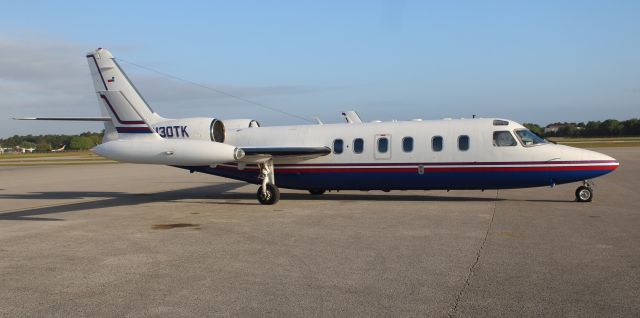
208, 192
105, 200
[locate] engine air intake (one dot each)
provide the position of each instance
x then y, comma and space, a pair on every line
217, 131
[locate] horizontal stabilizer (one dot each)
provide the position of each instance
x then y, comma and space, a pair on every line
66, 118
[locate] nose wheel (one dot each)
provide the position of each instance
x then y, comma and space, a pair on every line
584, 193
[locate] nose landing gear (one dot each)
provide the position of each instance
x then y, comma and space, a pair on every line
584, 193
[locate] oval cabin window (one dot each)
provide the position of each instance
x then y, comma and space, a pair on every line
436, 143
338, 146
463, 143
358, 145
407, 144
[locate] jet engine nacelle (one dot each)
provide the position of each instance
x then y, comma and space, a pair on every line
199, 128
169, 152
231, 124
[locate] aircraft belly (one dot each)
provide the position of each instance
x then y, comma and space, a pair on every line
432, 181
410, 178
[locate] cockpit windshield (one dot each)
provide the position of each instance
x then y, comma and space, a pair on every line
528, 138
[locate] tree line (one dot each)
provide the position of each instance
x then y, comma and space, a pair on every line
83, 141
606, 128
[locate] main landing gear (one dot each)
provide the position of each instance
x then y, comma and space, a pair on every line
584, 193
268, 193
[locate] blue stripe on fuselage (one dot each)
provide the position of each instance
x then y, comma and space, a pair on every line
410, 180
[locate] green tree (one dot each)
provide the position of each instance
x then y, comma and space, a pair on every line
611, 127
27, 144
43, 147
631, 127
81, 143
535, 128
568, 131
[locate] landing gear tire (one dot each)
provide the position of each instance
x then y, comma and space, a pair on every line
584, 194
270, 196
317, 191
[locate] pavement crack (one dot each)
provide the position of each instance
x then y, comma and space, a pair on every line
454, 308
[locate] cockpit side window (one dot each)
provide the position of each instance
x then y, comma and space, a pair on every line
529, 139
503, 139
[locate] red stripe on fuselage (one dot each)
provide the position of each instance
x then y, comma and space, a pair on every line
426, 164
462, 169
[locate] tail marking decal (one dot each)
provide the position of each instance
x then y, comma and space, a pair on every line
124, 122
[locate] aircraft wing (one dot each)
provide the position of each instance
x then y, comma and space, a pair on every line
253, 154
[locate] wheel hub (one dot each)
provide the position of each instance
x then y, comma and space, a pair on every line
585, 194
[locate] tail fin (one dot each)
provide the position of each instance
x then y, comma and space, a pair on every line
129, 112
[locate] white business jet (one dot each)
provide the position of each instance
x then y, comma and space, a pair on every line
400, 155
25, 150
61, 149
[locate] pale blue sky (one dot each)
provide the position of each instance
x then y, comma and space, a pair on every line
535, 61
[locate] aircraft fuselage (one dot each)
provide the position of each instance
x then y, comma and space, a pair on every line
426, 155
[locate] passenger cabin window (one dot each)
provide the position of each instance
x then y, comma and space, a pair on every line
358, 145
528, 139
337, 146
463, 143
436, 143
503, 139
407, 144
383, 144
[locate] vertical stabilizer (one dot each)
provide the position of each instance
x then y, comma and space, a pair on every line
119, 98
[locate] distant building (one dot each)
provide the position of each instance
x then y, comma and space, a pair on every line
553, 128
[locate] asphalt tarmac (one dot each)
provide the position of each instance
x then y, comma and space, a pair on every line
137, 240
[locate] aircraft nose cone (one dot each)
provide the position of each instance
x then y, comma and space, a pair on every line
608, 158
600, 158
611, 158
613, 162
